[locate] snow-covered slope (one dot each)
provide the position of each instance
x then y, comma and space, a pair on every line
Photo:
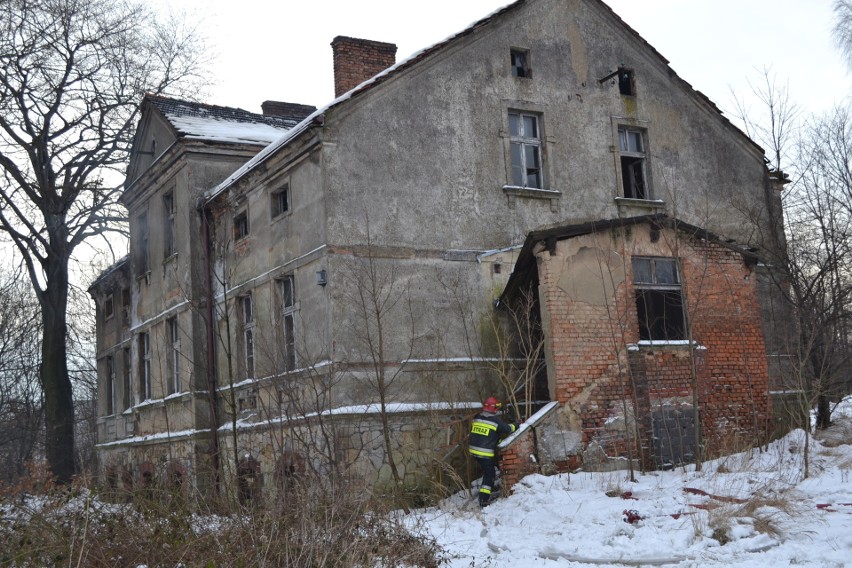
750, 509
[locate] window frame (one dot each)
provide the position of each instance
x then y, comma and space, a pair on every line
127, 381
275, 201
247, 325
173, 363
630, 160
522, 69
109, 306
142, 256
286, 290
523, 142
652, 293
242, 229
145, 379
110, 385
169, 241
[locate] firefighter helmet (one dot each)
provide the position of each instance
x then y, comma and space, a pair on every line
490, 404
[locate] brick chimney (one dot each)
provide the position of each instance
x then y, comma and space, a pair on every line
356, 60
293, 111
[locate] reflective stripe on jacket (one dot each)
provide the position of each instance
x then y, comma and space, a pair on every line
485, 432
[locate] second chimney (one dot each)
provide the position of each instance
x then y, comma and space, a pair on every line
356, 60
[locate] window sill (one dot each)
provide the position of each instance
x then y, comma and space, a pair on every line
515, 191
664, 343
280, 216
642, 203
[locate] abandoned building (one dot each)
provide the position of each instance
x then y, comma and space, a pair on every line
326, 289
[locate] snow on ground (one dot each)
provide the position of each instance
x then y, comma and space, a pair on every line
756, 502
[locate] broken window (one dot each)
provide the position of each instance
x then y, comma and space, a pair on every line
626, 84
520, 63
247, 320
659, 299
173, 366
241, 225
280, 200
525, 144
631, 144
169, 225
144, 367
287, 301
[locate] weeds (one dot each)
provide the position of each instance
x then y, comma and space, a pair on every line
313, 527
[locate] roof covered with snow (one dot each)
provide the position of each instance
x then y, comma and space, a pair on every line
222, 124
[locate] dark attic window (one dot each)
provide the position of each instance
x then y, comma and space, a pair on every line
520, 63
626, 83
241, 226
280, 203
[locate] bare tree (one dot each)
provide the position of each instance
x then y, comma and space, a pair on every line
842, 31
71, 76
819, 218
20, 394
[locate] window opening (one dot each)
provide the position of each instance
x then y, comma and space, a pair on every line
110, 386
144, 366
287, 299
631, 143
125, 369
249, 480
125, 305
626, 84
109, 307
525, 141
520, 63
659, 299
241, 225
173, 369
142, 264
248, 334
169, 223
281, 200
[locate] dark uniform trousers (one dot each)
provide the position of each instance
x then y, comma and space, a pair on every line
485, 432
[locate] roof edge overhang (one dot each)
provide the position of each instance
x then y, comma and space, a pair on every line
526, 263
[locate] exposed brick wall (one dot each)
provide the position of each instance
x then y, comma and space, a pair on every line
593, 373
515, 462
356, 60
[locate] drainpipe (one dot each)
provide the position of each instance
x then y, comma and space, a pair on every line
212, 391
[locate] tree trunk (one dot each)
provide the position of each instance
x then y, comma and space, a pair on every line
55, 381
823, 416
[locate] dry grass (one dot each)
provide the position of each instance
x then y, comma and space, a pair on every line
315, 527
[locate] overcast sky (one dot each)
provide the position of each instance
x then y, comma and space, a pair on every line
281, 50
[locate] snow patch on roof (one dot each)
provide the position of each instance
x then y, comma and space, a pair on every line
217, 130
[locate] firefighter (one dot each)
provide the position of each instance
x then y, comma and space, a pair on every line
486, 430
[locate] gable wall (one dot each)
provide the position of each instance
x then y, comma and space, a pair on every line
429, 147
